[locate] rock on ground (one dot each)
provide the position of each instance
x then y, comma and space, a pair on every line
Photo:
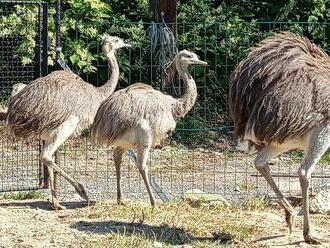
197, 198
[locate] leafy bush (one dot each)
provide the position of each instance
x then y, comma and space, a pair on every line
221, 32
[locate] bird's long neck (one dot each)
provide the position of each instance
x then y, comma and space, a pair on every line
187, 101
109, 87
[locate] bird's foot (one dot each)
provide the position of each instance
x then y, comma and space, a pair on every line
312, 240
81, 191
57, 206
121, 203
290, 219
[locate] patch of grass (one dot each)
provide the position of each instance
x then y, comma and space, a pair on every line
254, 203
247, 187
295, 154
116, 240
300, 154
326, 157
85, 132
23, 195
229, 153
175, 223
163, 160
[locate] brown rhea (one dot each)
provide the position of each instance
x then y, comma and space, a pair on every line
280, 100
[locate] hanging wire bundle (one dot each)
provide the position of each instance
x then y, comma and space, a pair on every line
164, 48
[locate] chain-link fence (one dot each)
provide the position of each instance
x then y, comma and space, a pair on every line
200, 154
20, 168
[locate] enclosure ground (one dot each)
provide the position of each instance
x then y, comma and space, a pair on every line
31, 223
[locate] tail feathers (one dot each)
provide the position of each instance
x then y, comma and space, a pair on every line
246, 146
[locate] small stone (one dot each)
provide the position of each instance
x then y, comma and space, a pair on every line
217, 153
198, 198
194, 191
238, 189
213, 134
158, 244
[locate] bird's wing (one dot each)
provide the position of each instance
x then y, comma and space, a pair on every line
126, 109
47, 102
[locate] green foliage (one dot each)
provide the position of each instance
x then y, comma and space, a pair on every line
326, 157
296, 154
19, 24
23, 195
221, 32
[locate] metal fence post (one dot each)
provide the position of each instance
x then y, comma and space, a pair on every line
58, 50
43, 71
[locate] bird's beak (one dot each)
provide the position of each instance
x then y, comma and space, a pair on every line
200, 62
127, 45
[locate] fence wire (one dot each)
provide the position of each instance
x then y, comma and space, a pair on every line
201, 154
20, 168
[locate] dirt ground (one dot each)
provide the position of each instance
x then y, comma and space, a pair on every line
31, 223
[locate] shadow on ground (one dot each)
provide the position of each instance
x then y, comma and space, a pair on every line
162, 233
41, 204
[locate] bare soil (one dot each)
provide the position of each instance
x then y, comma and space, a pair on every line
31, 223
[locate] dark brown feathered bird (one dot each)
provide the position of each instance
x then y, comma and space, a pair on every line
53, 107
280, 100
141, 117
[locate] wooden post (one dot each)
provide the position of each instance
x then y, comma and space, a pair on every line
168, 7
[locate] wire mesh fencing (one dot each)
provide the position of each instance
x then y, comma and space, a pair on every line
20, 168
200, 154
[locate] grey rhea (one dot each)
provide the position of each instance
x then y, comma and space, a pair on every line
280, 100
58, 105
141, 117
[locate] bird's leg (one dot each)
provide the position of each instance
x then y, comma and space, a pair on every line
143, 168
262, 166
55, 202
142, 157
117, 157
52, 144
318, 143
78, 187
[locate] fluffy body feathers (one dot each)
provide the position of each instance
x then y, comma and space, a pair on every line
281, 90
49, 101
128, 108
280, 100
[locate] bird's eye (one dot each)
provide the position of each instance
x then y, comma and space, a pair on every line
189, 56
116, 41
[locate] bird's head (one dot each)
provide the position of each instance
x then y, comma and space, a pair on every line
186, 57
112, 43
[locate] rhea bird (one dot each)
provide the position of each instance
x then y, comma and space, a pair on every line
141, 117
58, 105
280, 100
